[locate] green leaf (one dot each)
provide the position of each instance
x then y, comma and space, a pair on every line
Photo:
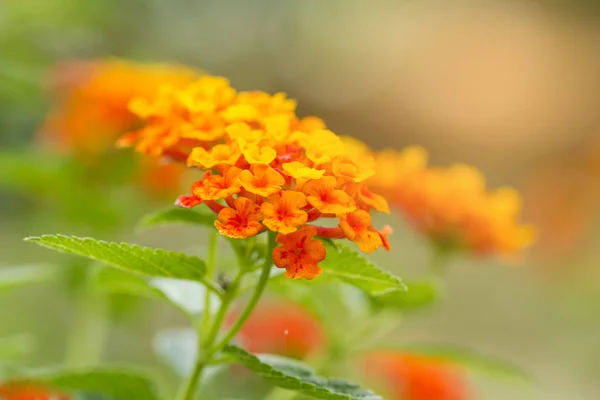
469, 359
188, 296
293, 375
13, 277
116, 384
130, 257
418, 295
15, 346
352, 267
28, 170
177, 215
177, 348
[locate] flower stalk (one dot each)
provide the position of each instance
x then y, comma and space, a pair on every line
208, 346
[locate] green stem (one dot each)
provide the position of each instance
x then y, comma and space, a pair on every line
210, 270
87, 336
258, 292
189, 387
206, 347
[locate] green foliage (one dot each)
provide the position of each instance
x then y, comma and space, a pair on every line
177, 348
187, 296
418, 295
293, 375
471, 360
177, 215
13, 277
118, 384
15, 346
353, 268
130, 257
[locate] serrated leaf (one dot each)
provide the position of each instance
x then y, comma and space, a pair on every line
352, 267
116, 384
469, 359
418, 295
177, 215
293, 375
13, 277
130, 257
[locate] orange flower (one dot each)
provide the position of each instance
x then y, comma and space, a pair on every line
323, 195
281, 327
299, 254
357, 227
299, 170
263, 180
29, 391
215, 187
240, 222
411, 377
91, 111
282, 211
252, 145
451, 205
93, 100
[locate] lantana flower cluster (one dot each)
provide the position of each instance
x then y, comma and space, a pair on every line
264, 168
452, 205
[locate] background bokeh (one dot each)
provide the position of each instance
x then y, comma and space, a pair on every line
510, 87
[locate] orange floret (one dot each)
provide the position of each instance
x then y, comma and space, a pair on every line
240, 222
283, 211
299, 254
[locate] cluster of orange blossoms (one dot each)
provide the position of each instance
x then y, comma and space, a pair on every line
452, 205
264, 168
28, 391
93, 110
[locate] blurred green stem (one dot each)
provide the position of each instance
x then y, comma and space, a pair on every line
207, 349
86, 340
213, 242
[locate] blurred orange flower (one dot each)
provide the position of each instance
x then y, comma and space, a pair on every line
283, 328
28, 391
452, 205
412, 377
92, 110
273, 170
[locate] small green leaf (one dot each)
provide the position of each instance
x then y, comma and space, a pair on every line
15, 346
418, 295
469, 359
178, 349
293, 375
177, 215
130, 257
116, 384
188, 296
13, 277
352, 267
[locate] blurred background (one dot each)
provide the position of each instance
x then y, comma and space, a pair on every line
509, 87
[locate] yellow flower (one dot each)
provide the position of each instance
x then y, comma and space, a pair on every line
298, 170
221, 154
